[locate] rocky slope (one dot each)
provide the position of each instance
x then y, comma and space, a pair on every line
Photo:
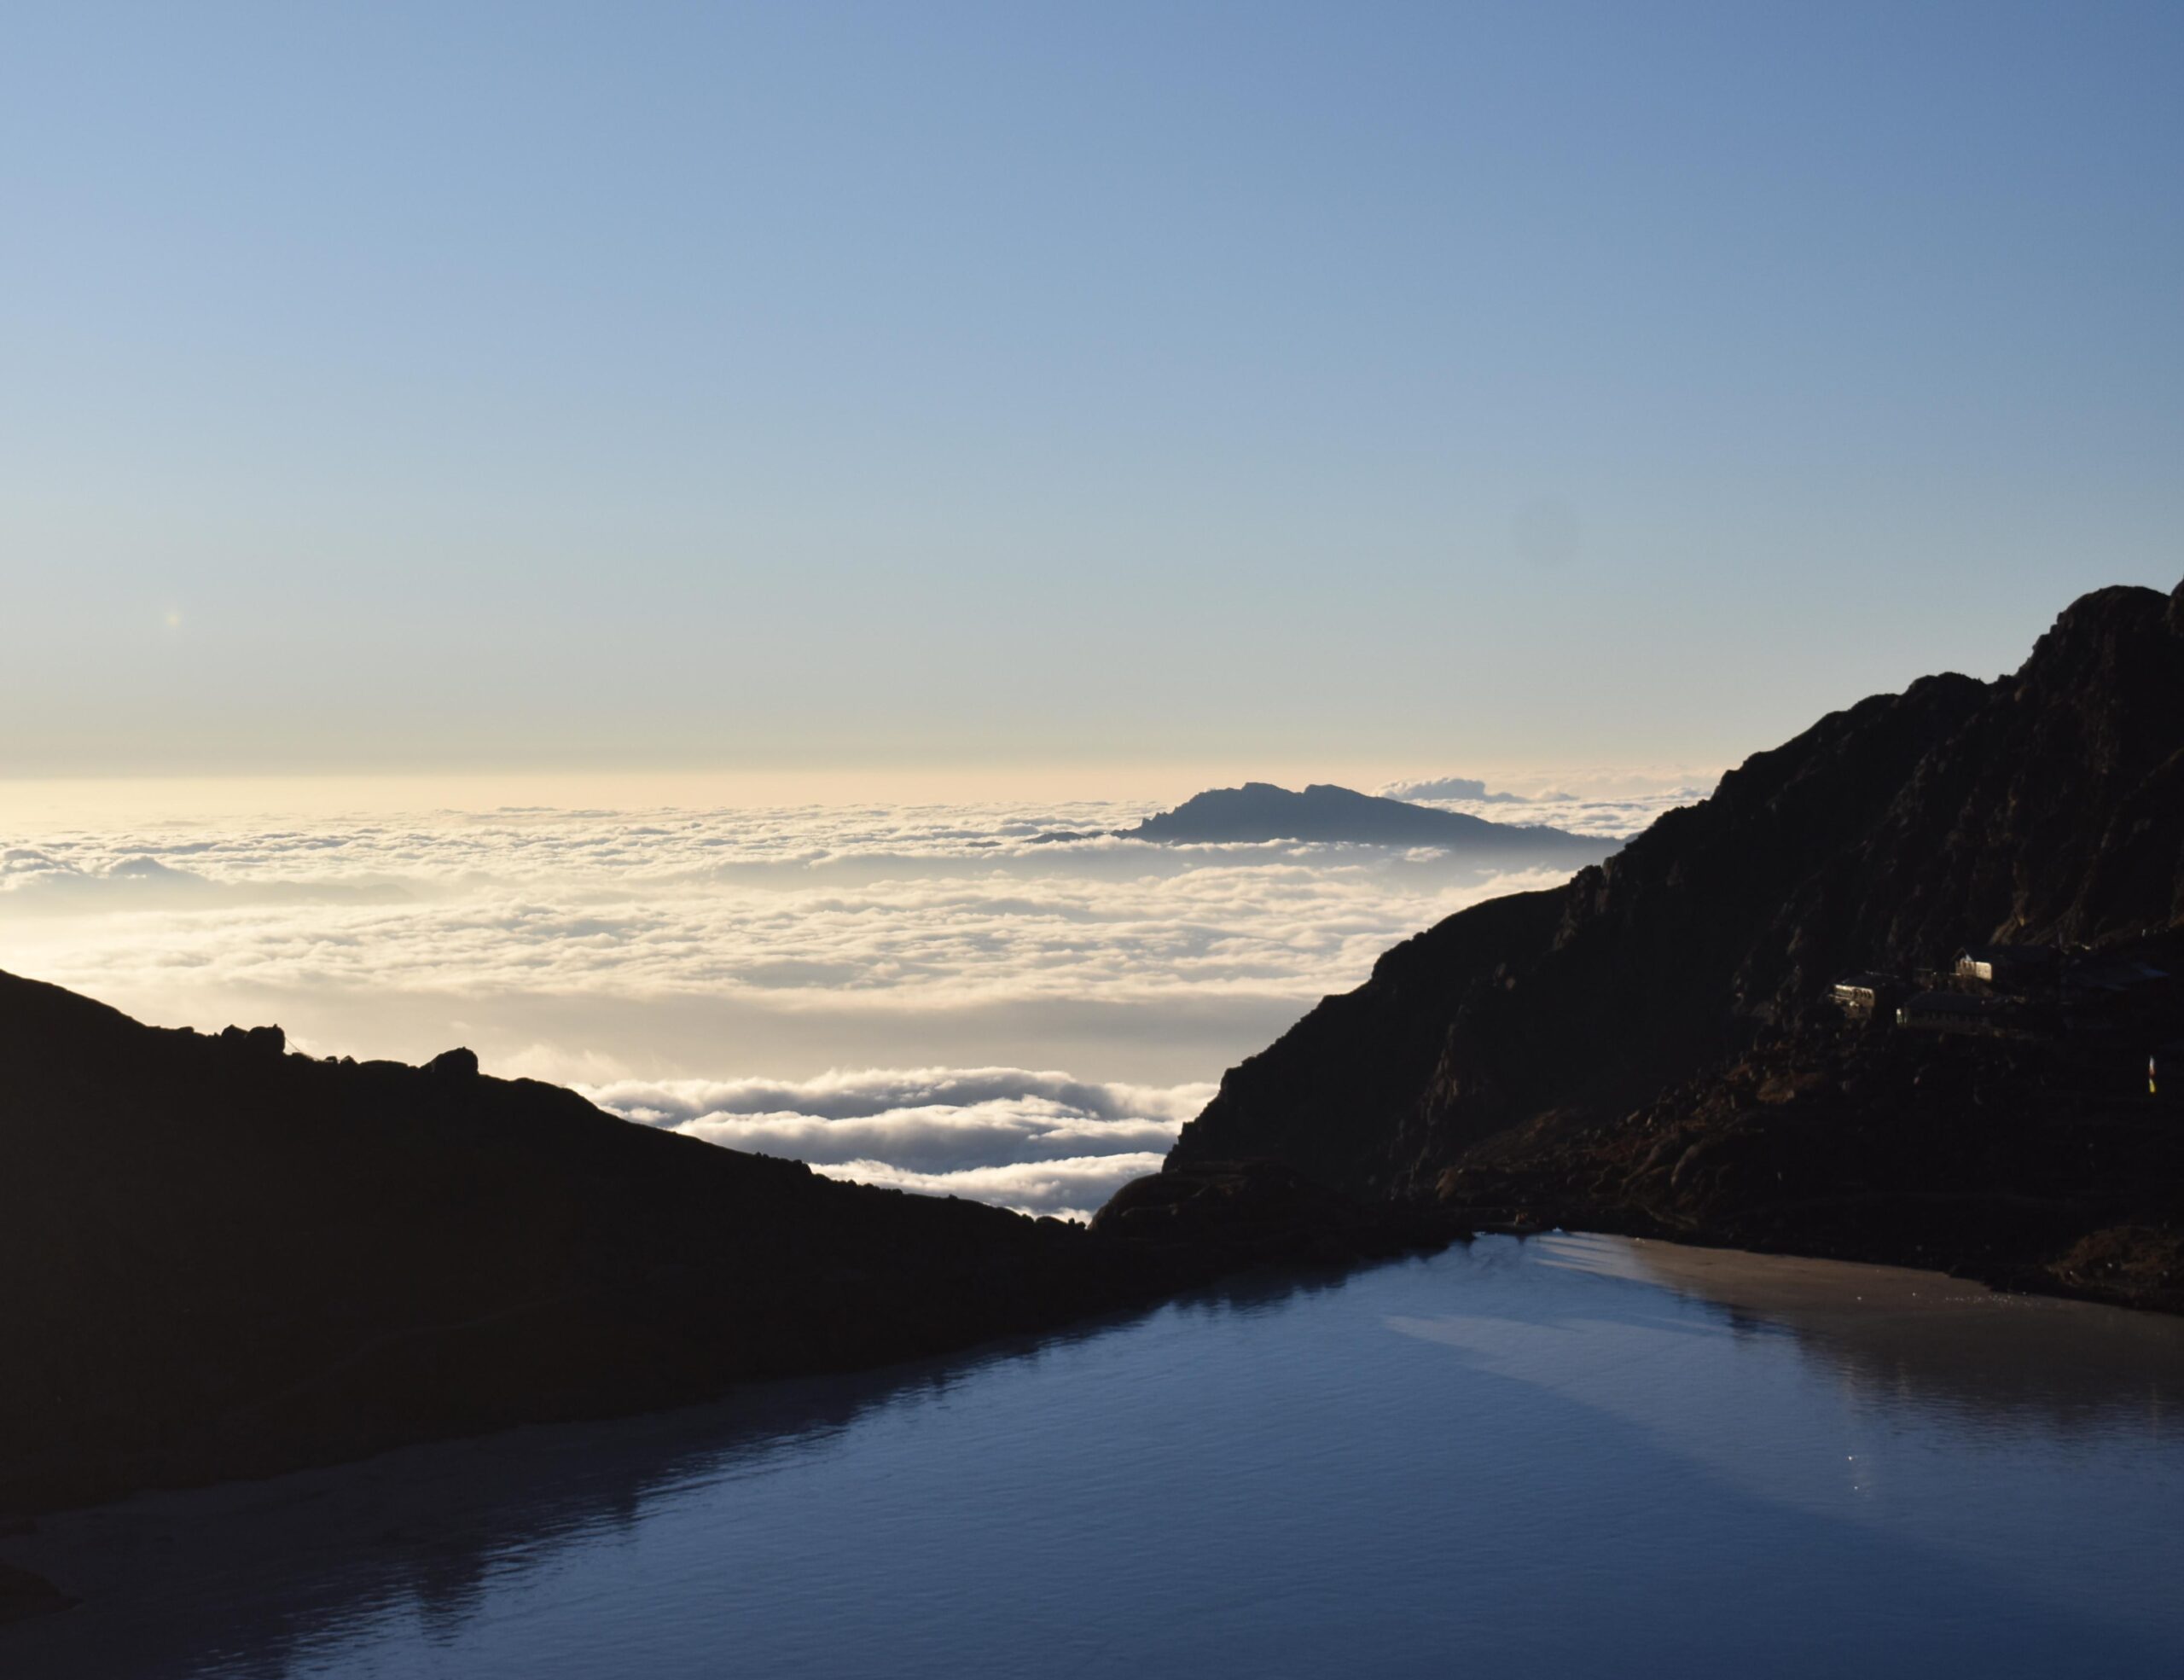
2032, 1164
2047, 807
223, 1259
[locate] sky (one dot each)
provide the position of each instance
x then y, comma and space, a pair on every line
461, 388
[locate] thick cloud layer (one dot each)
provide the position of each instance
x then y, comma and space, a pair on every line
822, 913
1041, 1141
702, 969
1617, 803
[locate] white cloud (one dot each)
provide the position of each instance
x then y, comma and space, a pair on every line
1615, 803
1288, 923
1038, 1142
1041, 1141
1065, 1189
836, 1095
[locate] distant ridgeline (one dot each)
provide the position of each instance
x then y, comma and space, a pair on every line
1259, 811
1655, 1046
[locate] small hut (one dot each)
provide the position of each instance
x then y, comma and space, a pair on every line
2008, 968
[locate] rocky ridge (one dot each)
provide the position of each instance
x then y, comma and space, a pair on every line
1518, 1051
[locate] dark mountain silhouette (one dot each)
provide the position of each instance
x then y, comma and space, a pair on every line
1259, 811
1649, 1047
224, 1260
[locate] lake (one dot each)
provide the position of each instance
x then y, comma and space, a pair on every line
1572, 1453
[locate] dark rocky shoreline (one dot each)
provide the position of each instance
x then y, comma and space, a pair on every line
2007, 1162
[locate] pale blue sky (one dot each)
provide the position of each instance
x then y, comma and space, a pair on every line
447, 386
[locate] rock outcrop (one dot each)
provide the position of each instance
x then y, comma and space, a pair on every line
1265, 1212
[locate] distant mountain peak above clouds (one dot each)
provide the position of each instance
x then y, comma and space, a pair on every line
1260, 811
1451, 788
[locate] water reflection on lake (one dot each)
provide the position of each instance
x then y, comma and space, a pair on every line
1574, 1452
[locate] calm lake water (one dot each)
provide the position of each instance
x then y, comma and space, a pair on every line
1576, 1454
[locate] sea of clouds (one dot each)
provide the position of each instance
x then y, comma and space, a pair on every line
885, 992
1617, 803
1040, 1141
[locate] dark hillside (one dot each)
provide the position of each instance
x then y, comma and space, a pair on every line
2043, 809
223, 1259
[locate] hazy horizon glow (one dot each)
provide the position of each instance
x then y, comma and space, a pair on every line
106, 803
1009, 391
